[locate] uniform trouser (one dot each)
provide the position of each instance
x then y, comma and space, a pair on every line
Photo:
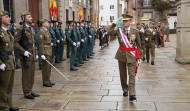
57, 52
131, 67
6, 89
53, 54
28, 72
162, 41
68, 48
61, 50
158, 41
143, 48
73, 56
39, 58
81, 51
89, 47
150, 51
46, 70
16, 57
77, 56
84, 55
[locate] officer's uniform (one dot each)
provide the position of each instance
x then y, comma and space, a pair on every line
58, 38
167, 32
67, 33
90, 42
7, 76
82, 46
45, 48
162, 38
78, 46
141, 33
37, 46
150, 36
28, 63
86, 43
125, 58
62, 43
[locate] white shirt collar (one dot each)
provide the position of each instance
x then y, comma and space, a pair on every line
27, 26
5, 28
128, 29
45, 29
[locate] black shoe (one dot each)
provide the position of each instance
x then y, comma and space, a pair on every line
132, 98
68, 56
143, 58
81, 62
14, 109
62, 59
86, 60
57, 61
78, 65
52, 83
30, 97
152, 63
35, 95
125, 94
74, 69
89, 57
47, 85
147, 61
17, 67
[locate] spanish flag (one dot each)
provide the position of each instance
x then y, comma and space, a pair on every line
80, 14
50, 9
55, 8
95, 18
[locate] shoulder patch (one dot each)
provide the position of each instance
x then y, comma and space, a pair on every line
41, 36
16, 33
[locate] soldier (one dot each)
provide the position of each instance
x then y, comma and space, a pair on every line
62, 42
150, 42
67, 30
90, 41
161, 32
142, 41
82, 46
77, 64
25, 44
45, 50
53, 41
72, 38
7, 66
12, 29
37, 45
167, 32
127, 54
84, 55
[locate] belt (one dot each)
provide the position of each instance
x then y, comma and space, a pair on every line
8, 53
47, 43
137, 55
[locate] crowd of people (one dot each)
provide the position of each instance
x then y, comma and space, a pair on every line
103, 37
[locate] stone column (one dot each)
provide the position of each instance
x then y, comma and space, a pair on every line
183, 32
1, 5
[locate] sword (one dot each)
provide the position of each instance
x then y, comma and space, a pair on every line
57, 70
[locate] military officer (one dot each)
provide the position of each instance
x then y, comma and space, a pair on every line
129, 41
150, 42
90, 41
45, 50
67, 33
142, 41
161, 29
86, 42
25, 44
167, 32
7, 65
77, 64
62, 42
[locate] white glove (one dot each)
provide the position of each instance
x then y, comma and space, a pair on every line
43, 57
51, 44
142, 30
37, 57
62, 39
58, 41
78, 43
146, 39
82, 40
27, 54
118, 20
74, 44
154, 33
139, 61
90, 36
2, 67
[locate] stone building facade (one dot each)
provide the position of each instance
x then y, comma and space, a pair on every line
67, 9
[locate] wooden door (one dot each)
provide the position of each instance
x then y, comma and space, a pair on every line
34, 10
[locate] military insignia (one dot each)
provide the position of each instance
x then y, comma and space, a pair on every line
154, 33
16, 33
69, 31
40, 36
6, 44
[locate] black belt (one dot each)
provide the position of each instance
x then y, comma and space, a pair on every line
47, 43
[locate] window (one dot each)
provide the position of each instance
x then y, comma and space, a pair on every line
67, 15
102, 18
111, 6
146, 3
73, 15
111, 18
149, 15
70, 3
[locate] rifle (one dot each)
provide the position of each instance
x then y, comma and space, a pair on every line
24, 42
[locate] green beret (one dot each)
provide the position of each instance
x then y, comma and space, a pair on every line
25, 13
3, 13
43, 20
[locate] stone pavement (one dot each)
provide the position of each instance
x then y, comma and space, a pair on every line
96, 85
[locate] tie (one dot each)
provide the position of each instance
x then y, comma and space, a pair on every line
127, 33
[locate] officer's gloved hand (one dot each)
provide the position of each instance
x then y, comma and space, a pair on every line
2, 67
74, 44
146, 39
51, 44
43, 57
78, 43
27, 54
117, 20
58, 41
62, 39
90, 36
37, 57
82, 40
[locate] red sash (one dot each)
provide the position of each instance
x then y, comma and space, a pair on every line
137, 55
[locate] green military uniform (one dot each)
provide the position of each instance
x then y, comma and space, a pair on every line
93, 41
150, 42
37, 46
126, 58
78, 46
27, 63
90, 42
162, 28
67, 33
53, 41
6, 76
167, 32
58, 38
82, 46
62, 43
45, 48
86, 43
141, 33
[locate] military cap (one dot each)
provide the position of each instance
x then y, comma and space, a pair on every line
25, 13
142, 24
50, 21
60, 22
70, 22
83, 20
43, 20
127, 17
3, 13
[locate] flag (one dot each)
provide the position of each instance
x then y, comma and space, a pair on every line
55, 8
80, 14
50, 9
95, 17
